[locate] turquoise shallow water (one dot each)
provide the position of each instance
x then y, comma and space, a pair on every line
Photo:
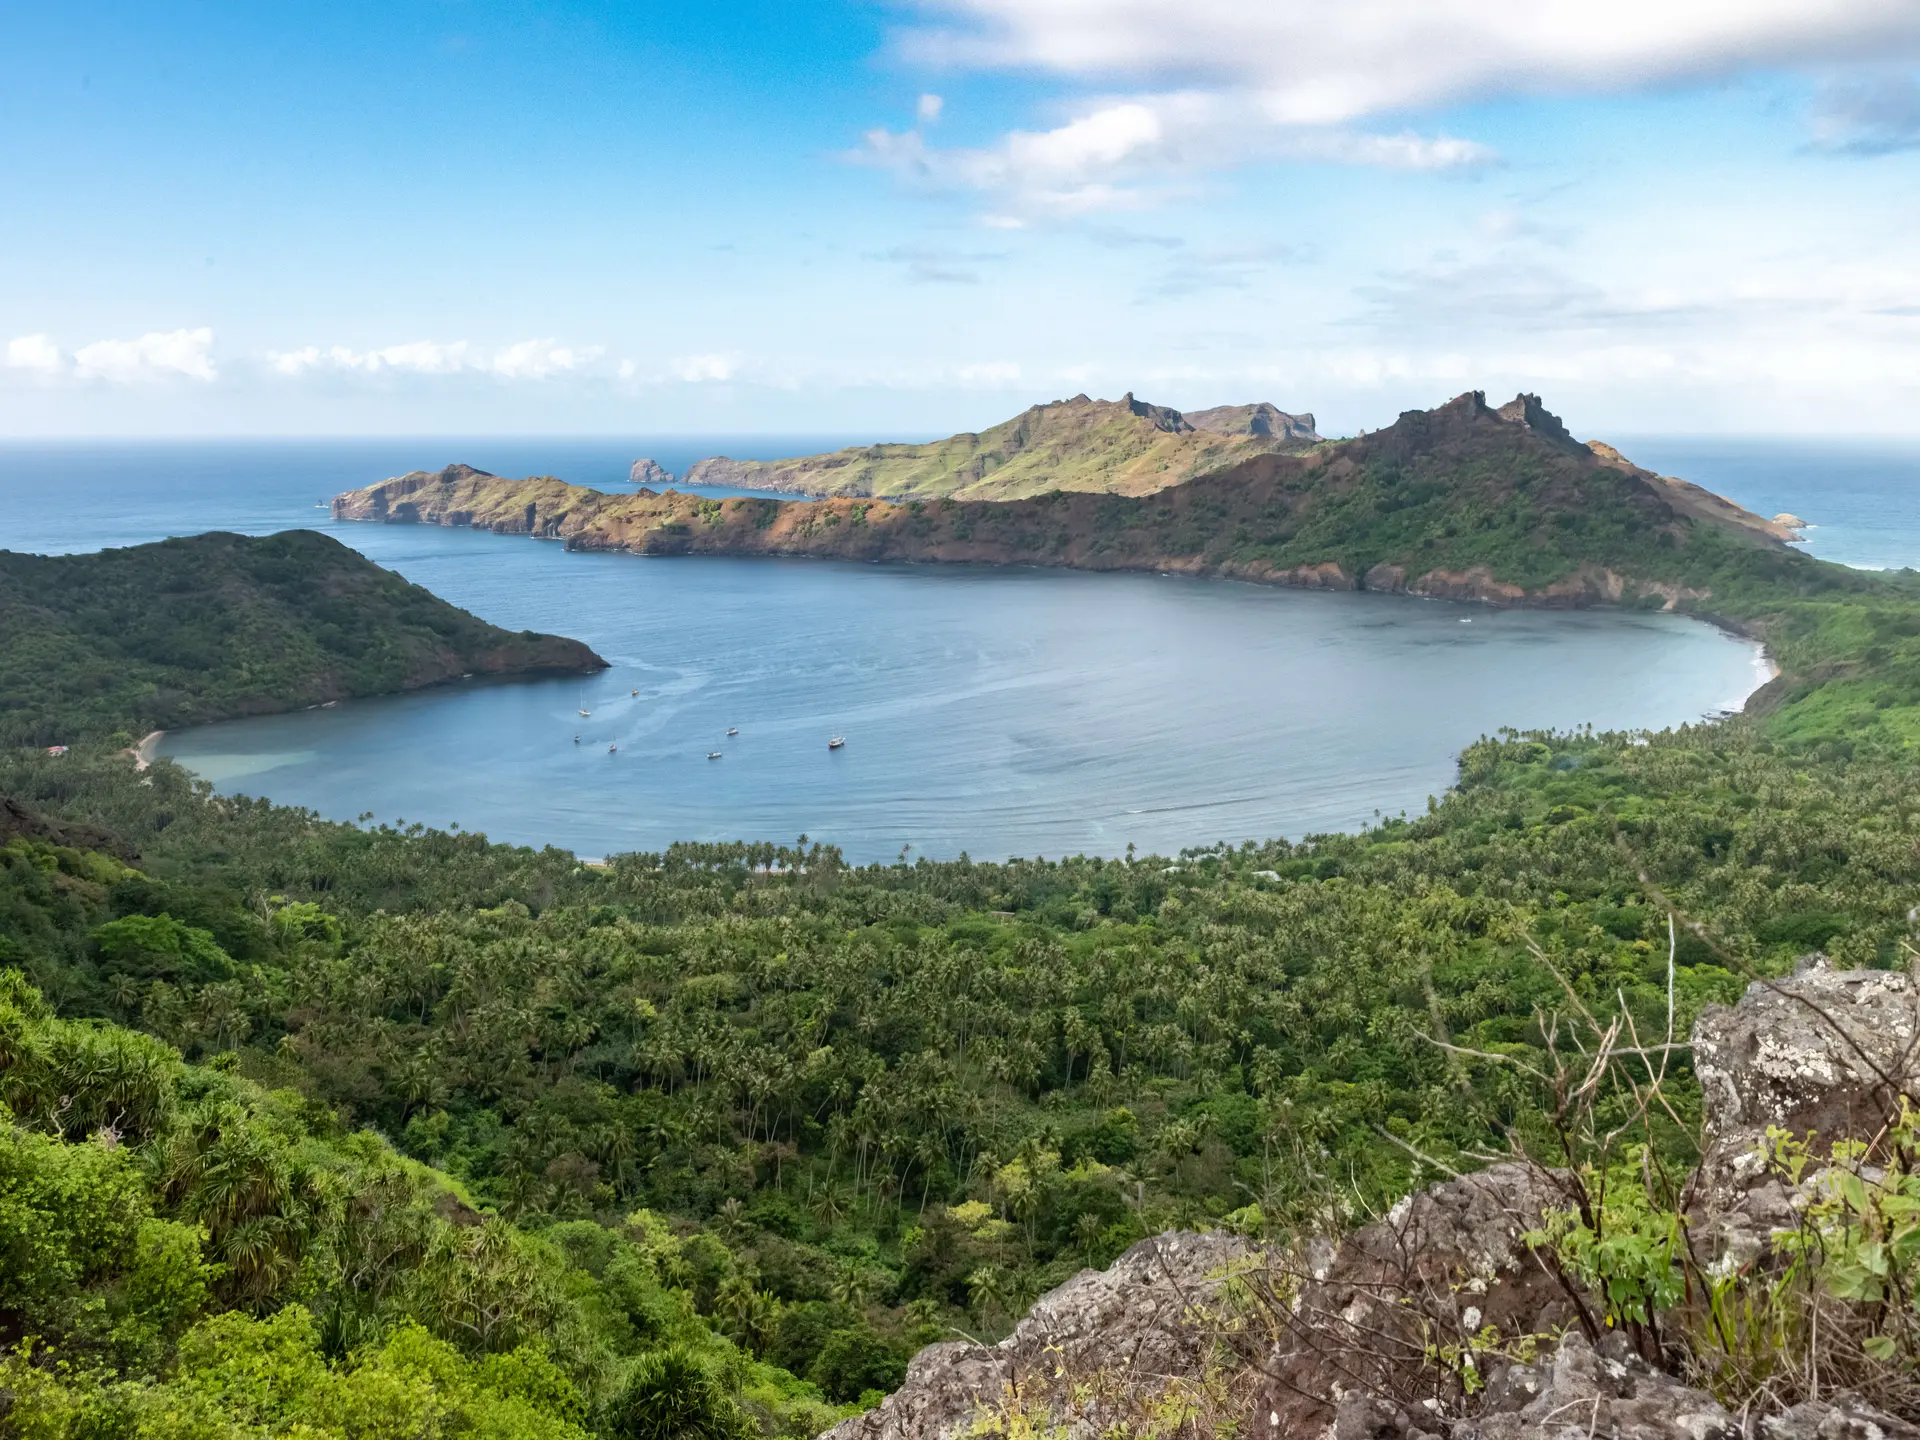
1000, 712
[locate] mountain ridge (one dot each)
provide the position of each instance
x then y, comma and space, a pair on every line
1126, 446
1465, 501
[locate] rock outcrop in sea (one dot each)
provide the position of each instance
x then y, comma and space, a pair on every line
1339, 1340
650, 472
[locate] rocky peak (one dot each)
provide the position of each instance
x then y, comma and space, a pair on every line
1528, 411
1142, 1307
1260, 418
1163, 417
650, 472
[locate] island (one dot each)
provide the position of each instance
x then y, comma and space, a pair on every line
216, 626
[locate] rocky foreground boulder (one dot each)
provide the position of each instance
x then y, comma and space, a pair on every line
1339, 1341
1139, 1322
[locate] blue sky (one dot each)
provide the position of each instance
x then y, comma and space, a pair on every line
909, 218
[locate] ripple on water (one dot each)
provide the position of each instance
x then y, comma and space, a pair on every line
1000, 712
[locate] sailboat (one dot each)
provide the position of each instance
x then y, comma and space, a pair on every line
733, 730
713, 754
836, 742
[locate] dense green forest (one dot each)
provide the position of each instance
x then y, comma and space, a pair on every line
206, 628
321, 1130
358, 1114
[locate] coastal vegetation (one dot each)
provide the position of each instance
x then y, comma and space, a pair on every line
215, 626
323, 1129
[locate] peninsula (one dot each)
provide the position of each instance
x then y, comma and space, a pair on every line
1465, 501
1106, 447
216, 626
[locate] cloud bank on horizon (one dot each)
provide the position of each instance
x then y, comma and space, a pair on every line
1688, 214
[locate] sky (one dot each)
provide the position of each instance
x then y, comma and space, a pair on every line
911, 218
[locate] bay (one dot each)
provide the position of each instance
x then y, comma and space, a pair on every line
997, 712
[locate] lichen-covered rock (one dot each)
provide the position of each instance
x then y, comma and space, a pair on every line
1338, 1340
1842, 1418
1442, 1266
1581, 1394
1141, 1317
1823, 1051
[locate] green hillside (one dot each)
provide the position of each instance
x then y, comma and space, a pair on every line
186, 631
485, 1137
1120, 447
315, 1131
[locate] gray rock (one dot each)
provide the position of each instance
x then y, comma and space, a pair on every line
1137, 1318
1845, 1417
1342, 1355
650, 472
1825, 1051
1580, 1395
1443, 1265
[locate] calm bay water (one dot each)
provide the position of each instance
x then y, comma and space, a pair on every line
1001, 712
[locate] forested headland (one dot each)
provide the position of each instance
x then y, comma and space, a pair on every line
211, 627
384, 1131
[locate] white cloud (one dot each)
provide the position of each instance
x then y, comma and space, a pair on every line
1129, 153
527, 360
991, 373
156, 355
33, 352
928, 110
1314, 63
537, 359
696, 368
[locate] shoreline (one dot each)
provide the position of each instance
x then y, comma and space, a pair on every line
1466, 588
143, 753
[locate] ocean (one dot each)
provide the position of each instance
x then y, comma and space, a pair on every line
998, 712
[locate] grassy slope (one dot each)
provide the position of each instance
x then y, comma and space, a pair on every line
186, 631
1123, 447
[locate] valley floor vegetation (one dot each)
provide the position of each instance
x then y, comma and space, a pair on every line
399, 1131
